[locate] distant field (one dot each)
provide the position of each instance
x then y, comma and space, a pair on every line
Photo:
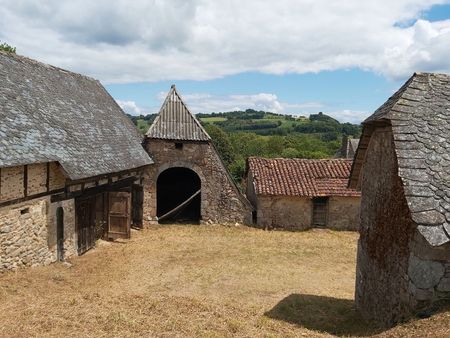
213, 119
199, 281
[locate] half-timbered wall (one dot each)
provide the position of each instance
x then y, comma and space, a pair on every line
30, 180
29, 198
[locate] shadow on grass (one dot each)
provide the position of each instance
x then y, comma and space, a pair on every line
332, 315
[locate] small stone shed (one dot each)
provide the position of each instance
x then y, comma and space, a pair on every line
298, 194
70, 159
348, 147
189, 182
402, 167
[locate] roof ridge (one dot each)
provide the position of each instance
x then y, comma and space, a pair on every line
46, 65
189, 111
413, 84
174, 129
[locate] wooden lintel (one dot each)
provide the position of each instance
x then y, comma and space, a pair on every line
94, 190
27, 198
25, 180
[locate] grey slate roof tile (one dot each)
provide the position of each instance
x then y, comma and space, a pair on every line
419, 113
49, 114
176, 122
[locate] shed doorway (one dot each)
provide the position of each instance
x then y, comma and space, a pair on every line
178, 197
320, 211
60, 233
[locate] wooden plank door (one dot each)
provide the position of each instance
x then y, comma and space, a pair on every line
119, 219
85, 220
137, 201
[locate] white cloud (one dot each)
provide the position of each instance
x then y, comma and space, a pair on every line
352, 116
124, 41
205, 103
208, 103
132, 108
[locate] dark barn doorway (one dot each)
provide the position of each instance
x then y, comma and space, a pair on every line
178, 196
60, 233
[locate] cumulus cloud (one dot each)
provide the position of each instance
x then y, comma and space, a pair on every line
352, 116
141, 40
132, 108
208, 103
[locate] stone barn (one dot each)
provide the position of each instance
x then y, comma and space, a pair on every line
348, 147
70, 161
298, 194
402, 167
189, 181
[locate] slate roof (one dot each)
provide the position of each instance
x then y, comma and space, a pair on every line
50, 114
419, 113
176, 122
301, 177
353, 144
348, 148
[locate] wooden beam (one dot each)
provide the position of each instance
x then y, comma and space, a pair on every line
179, 207
27, 198
25, 180
94, 190
47, 182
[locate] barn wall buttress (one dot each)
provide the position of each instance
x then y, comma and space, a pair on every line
382, 286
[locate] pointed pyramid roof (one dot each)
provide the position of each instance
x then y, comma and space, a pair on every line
176, 122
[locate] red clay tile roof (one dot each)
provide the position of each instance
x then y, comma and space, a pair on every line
301, 177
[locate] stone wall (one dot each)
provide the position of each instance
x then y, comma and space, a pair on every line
295, 213
343, 213
11, 183
429, 272
12, 180
221, 201
250, 188
382, 283
28, 233
57, 178
70, 234
287, 212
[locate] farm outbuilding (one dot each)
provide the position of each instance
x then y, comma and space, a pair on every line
189, 182
402, 167
298, 194
70, 162
348, 147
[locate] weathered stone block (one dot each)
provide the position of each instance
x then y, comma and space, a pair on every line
444, 285
425, 274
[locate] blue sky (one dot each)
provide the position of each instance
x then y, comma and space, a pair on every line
328, 91
344, 58
349, 94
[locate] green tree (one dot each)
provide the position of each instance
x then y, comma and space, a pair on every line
7, 48
222, 143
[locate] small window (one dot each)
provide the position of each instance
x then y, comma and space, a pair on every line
178, 145
320, 211
24, 211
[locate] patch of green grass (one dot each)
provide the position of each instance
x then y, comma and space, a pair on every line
213, 119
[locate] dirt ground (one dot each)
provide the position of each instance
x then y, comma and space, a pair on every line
207, 281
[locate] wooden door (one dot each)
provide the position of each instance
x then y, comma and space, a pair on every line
137, 201
119, 215
320, 211
85, 220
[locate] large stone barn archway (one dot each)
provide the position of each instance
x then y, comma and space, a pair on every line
178, 195
179, 145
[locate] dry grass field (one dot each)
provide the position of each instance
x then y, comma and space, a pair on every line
202, 281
